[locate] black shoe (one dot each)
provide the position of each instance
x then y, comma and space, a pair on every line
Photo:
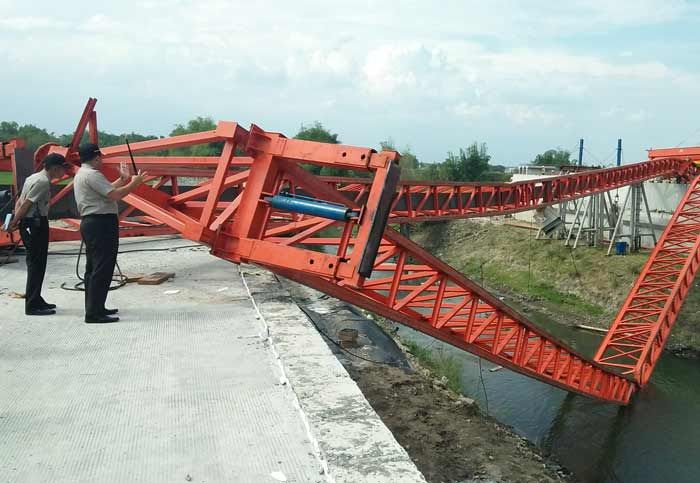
48, 306
40, 311
101, 319
110, 311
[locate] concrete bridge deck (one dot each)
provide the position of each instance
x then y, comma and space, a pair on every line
197, 382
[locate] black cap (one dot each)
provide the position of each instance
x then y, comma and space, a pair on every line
55, 159
88, 152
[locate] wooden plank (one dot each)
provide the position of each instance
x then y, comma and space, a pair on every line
156, 278
134, 277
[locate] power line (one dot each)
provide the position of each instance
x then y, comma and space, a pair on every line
697, 131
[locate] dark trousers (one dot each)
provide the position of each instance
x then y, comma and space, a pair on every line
101, 236
35, 236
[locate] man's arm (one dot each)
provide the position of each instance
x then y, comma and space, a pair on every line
25, 202
120, 192
21, 209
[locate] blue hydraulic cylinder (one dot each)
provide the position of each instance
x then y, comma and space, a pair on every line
310, 206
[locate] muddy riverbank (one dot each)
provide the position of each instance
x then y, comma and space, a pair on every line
447, 435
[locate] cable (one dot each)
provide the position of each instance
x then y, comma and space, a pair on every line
483, 385
121, 279
529, 260
594, 156
697, 131
308, 315
139, 250
573, 260
80, 286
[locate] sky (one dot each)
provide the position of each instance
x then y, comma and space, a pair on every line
520, 76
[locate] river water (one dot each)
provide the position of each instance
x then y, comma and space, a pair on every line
655, 439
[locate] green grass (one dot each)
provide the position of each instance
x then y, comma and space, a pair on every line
439, 363
579, 286
532, 286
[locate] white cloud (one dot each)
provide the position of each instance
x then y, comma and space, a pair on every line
639, 115
517, 114
374, 66
470, 111
30, 24
100, 24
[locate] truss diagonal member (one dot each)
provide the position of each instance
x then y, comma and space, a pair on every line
459, 312
670, 281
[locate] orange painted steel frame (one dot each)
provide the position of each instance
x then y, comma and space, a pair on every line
408, 284
7, 164
439, 200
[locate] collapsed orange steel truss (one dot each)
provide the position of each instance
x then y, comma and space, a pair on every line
440, 200
638, 334
366, 263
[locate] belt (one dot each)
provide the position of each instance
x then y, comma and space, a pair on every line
100, 215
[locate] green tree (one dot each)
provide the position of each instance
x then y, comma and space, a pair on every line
195, 125
32, 135
107, 139
467, 165
316, 132
409, 162
552, 157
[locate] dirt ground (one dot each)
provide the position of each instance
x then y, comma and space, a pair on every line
447, 436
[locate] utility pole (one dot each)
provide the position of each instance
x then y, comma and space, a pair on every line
580, 153
619, 152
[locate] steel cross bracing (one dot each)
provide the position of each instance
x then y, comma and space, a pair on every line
439, 200
359, 260
637, 336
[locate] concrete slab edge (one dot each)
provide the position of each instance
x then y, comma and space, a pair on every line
352, 442
266, 335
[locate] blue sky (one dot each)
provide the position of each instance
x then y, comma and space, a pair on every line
522, 77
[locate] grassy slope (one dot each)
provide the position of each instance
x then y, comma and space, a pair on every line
580, 286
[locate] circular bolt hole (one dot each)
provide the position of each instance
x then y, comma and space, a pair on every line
311, 262
344, 154
363, 156
330, 265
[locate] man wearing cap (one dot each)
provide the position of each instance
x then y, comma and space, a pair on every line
99, 226
31, 217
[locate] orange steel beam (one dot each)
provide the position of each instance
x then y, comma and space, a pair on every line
691, 153
408, 284
413, 287
378, 269
637, 336
8, 164
435, 201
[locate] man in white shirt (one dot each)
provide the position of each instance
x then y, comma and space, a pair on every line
31, 217
99, 226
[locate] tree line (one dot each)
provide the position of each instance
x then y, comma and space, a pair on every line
471, 163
